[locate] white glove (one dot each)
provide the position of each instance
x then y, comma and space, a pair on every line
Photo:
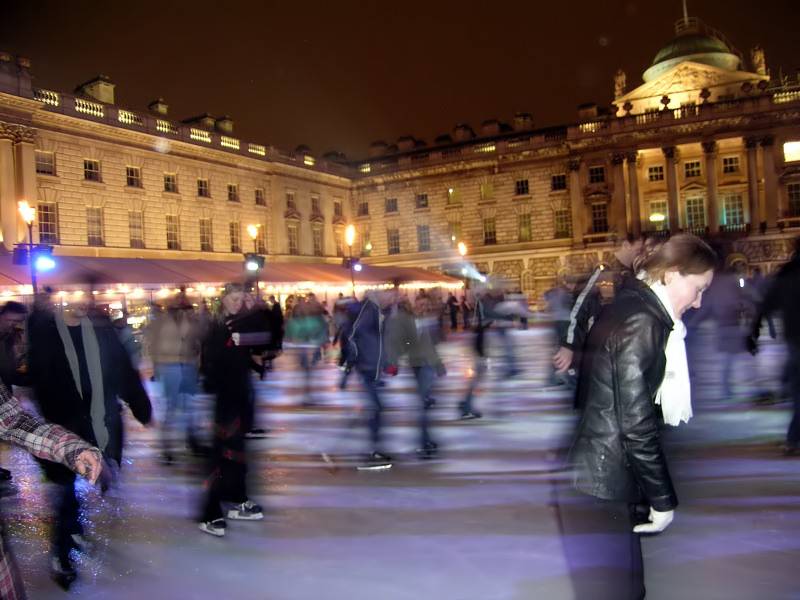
659, 521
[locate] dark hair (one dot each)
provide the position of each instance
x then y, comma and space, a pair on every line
686, 253
230, 288
13, 307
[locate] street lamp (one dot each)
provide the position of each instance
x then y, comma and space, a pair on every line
252, 231
462, 249
349, 238
28, 214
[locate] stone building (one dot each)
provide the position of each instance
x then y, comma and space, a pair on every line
709, 143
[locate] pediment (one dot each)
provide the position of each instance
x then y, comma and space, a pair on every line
694, 186
687, 76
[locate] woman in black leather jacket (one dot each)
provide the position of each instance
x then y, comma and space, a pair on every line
617, 460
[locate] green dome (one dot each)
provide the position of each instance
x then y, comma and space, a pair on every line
695, 47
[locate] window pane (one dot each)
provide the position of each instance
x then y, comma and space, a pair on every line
423, 238
173, 233
45, 163
206, 236
521, 187
599, 217
524, 227
136, 227
489, 231
94, 226
393, 241
47, 218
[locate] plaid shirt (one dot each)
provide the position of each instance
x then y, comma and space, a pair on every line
43, 440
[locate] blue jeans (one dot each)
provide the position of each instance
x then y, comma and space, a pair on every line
180, 385
375, 409
425, 377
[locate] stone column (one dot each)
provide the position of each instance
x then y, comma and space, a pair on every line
633, 192
576, 201
756, 216
671, 167
8, 189
26, 177
619, 214
770, 181
712, 200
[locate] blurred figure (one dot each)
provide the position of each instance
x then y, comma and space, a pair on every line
226, 366
634, 358
452, 308
174, 339
308, 331
588, 303
466, 312
128, 339
783, 298
498, 316
413, 332
13, 370
276, 334
466, 408
79, 370
559, 304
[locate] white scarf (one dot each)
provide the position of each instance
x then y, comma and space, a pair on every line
675, 393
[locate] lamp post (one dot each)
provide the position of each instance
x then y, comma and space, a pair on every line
28, 214
349, 238
252, 231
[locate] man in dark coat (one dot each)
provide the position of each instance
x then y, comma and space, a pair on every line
79, 370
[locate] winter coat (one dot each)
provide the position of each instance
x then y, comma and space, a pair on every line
783, 297
364, 337
405, 334
174, 337
617, 452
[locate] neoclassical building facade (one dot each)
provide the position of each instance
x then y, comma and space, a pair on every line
708, 143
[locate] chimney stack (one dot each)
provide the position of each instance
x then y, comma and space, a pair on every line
158, 107
101, 88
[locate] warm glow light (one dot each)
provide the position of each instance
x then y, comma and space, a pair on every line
368, 246
657, 218
791, 151
252, 231
462, 248
350, 234
27, 212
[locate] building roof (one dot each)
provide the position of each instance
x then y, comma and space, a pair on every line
689, 44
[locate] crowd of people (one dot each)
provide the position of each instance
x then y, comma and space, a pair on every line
624, 344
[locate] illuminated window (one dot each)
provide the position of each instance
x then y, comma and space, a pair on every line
730, 164
658, 214
261, 240
173, 233
235, 230
393, 240
793, 195
338, 236
597, 174
558, 182
171, 182
521, 187
291, 204
233, 192
524, 229
317, 239
366, 240
260, 197
454, 231
655, 173
691, 169
206, 235
292, 234
599, 217
133, 177
136, 228
363, 208
421, 200
47, 219
203, 188
489, 231
733, 210
791, 151
563, 223
423, 238
45, 163
695, 213
391, 205
94, 226
91, 170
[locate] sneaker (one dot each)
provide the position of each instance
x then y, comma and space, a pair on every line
376, 461
246, 511
255, 434
215, 527
62, 572
470, 415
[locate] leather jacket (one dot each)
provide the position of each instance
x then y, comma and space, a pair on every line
617, 452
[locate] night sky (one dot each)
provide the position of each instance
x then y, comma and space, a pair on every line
339, 75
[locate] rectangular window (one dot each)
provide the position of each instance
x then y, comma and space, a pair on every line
136, 228
292, 234
363, 208
337, 208
454, 231
393, 240
655, 173
91, 170
366, 240
317, 240
695, 213
793, 195
47, 218
521, 187
558, 182
658, 214
206, 235
338, 236
171, 183
597, 174
45, 162
260, 197
489, 231
599, 217
133, 177
563, 223
94, 226
730, 164
421, 201
423, 238
391, 205
791, 151
233, 192
235, 230
733, 210
291, 203
524, 229
173, 233
691, 168
486, 191
203, 188
261, 240
316, 208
